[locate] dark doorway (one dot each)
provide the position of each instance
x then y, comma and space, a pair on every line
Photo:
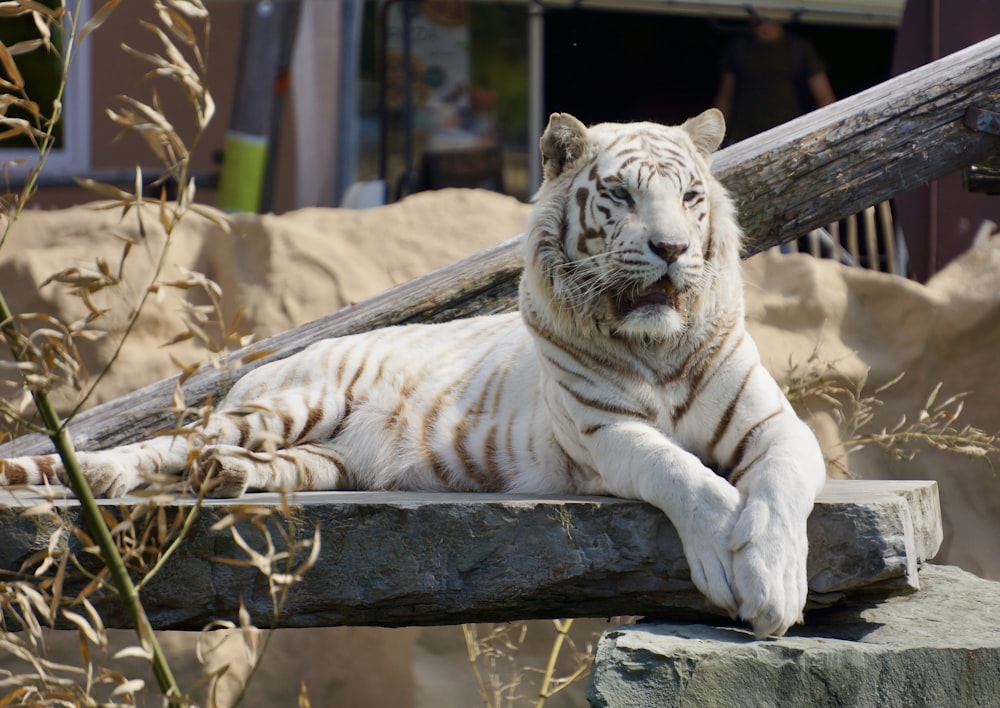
622, 66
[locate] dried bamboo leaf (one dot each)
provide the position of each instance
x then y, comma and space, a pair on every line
83, 625
133, 653
104, 189
194, 9
42, 25
16, 127
177, 339
25, 104
175, 22
25, 46
128, 687
933, 396
97, 19
37, 8
154, 117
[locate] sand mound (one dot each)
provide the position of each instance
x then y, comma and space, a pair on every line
279, 271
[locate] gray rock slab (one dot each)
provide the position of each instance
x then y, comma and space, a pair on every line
937, 647
392, 559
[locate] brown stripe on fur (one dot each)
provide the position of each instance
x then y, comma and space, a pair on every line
305, 477
243, 426
313, 417
734, 476
345, 480
380, 372
709, 252
695, 377
576, 374
15, 474
287, 423
508, 438
498, 385
607, 407
47, 468
492, 471
695, 355
727, 415
392, 421
342, 423
479, 406
434, 461
460, 442
341, 369
583, 357
700, 381
532, 425
481, 477
741, 447
569, 469
349, 391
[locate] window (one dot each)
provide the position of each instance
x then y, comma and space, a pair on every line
41, 72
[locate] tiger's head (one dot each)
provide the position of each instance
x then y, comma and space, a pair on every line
631, 235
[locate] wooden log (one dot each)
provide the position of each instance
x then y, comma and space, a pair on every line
809, 172
862, 150
394, 559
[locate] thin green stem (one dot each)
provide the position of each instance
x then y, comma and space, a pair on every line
99, 530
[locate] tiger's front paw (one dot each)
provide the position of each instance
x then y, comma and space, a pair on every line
108, 474
770, 548
705, 537
220, 473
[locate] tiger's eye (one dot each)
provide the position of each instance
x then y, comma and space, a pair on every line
619, 193
690, 196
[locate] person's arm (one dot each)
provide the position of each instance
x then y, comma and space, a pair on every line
821, 90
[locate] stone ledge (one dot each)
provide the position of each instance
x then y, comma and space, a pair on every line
937, 647
393, 559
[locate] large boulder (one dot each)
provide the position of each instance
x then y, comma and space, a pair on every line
937, 647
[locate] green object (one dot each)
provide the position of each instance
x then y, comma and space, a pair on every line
244, 164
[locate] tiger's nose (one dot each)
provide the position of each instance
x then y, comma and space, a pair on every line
669, 252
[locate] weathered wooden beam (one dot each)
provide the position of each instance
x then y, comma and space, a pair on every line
864, 149
809, 172
392, 559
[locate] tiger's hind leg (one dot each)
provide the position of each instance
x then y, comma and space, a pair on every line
231, 470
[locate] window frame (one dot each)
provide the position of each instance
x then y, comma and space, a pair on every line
73, 158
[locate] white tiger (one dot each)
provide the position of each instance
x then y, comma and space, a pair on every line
627, 372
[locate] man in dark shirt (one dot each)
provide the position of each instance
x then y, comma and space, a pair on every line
769, 77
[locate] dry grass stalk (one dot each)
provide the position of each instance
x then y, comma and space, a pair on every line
855, 407
495, 653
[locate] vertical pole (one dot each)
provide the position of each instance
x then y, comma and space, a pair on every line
406, 183
536, 93
350, 68
265, 51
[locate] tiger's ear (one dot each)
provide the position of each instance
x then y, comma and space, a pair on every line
561, 144
706, 130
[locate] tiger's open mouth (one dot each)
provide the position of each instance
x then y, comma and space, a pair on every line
662, 293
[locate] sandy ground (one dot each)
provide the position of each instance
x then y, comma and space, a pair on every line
278, 272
